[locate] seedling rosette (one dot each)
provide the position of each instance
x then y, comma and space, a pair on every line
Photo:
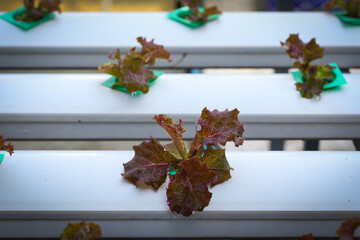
190, 172
312, 79
30, 15
349, 10
130, 73
194, 16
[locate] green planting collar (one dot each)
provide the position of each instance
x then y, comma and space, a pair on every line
1, 157
339, 78
179, 15
10, 17
108, 83
347, 20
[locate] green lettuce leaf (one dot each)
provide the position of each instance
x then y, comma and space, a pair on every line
172, 149
81, 231
216, 161
188, 190
351, 7
6, 146
36, 13
347, 229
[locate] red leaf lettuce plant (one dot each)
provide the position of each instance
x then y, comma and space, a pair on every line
191, 172
345, 231
81, 231
91, 231
131, 70
350, 7
33, 13
6, 146
197, 15
314, 76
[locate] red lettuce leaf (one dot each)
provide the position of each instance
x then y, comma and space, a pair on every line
351, 7
217, 128
82, 230
174, 130
6, 146
347, 229
150, 164
216, 161
296, 46
306, 237
188, 190
312, 51
298, 50
151, 51
36, 13
50, 6
204, 16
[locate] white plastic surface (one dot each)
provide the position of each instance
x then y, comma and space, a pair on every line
302, 191
236, 39
76, 106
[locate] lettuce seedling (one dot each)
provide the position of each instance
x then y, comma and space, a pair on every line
191, 172
314, 76
347, 229
350, 7
33, 13
196, 15
131, 71
6, 146
82, 230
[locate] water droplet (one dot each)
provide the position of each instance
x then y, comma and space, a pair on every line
133, 94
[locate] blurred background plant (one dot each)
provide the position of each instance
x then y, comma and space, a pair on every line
168, 5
